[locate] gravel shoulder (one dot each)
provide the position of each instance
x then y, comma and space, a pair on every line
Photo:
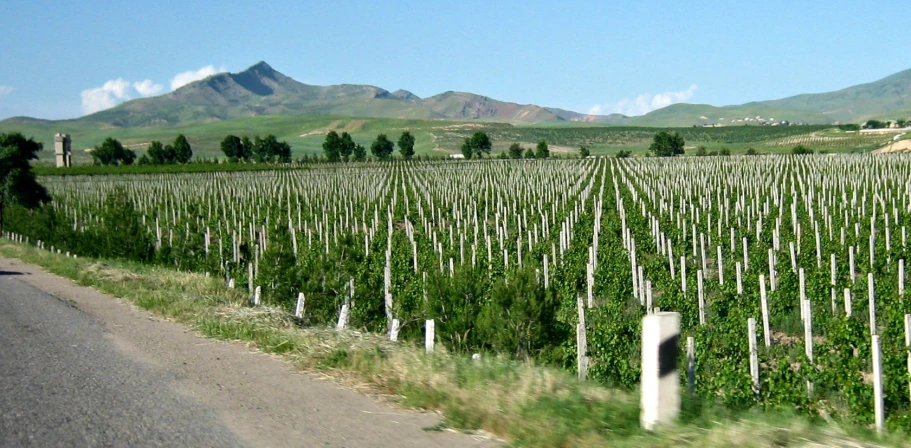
154, 368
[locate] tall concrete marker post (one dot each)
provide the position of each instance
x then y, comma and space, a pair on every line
660, 401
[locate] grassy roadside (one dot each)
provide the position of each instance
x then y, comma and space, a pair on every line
526, 404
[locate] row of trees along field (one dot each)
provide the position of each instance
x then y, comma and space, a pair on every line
262, 150
112, 152
788, 272
343, 148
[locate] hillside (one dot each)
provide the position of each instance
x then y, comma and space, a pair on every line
890, 94
261, 90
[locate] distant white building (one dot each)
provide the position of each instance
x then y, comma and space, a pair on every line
457, 156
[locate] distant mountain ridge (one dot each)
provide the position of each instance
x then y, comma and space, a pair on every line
261, 90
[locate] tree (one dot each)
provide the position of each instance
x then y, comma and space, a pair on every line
801, 150
269, 149
584, 151
18, 183
467, 149
144, 160
701, 151
248, 147
529, 153
382, 147
360, 153
724, 151
515, 151
111, 152
346, 146
875, 124
667, 145
233, 148
332, 147
182, 151
621, 154
752, 152
156, 153
480, 144
542, 151
406, 145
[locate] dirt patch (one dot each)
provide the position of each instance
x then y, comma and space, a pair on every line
899, 146
349, 127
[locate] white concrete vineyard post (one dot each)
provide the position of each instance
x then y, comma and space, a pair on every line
877, 384
299, 308
754, 355
581, 341
342, 318
720, 264
683, 274
901, 277
848, 302
394, 330
257, 296
771, 270
701, 298
764, 302
690, 365
660, 397
429, 335
808, 339
908, 347
871, 299
250, 277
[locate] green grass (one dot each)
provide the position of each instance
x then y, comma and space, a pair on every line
306, 134
528, 405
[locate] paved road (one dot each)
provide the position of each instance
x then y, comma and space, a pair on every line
78, 368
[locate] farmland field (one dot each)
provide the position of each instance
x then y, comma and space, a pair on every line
437, 138
506, 256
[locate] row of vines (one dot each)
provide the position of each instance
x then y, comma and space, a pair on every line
506, 256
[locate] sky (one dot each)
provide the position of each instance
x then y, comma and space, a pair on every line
64, 59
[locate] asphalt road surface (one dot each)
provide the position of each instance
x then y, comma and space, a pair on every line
78, 368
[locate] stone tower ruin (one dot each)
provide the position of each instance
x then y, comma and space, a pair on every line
62, 150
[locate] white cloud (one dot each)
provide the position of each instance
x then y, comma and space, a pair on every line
6, 90
119, 90
108, 95
643, 103
184, 78
148, 88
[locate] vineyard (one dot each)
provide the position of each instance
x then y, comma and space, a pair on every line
533, 259
450, 137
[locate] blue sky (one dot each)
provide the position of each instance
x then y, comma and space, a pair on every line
63, 59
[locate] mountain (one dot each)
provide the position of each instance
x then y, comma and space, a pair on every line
261, 90
890, 94
888, 98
